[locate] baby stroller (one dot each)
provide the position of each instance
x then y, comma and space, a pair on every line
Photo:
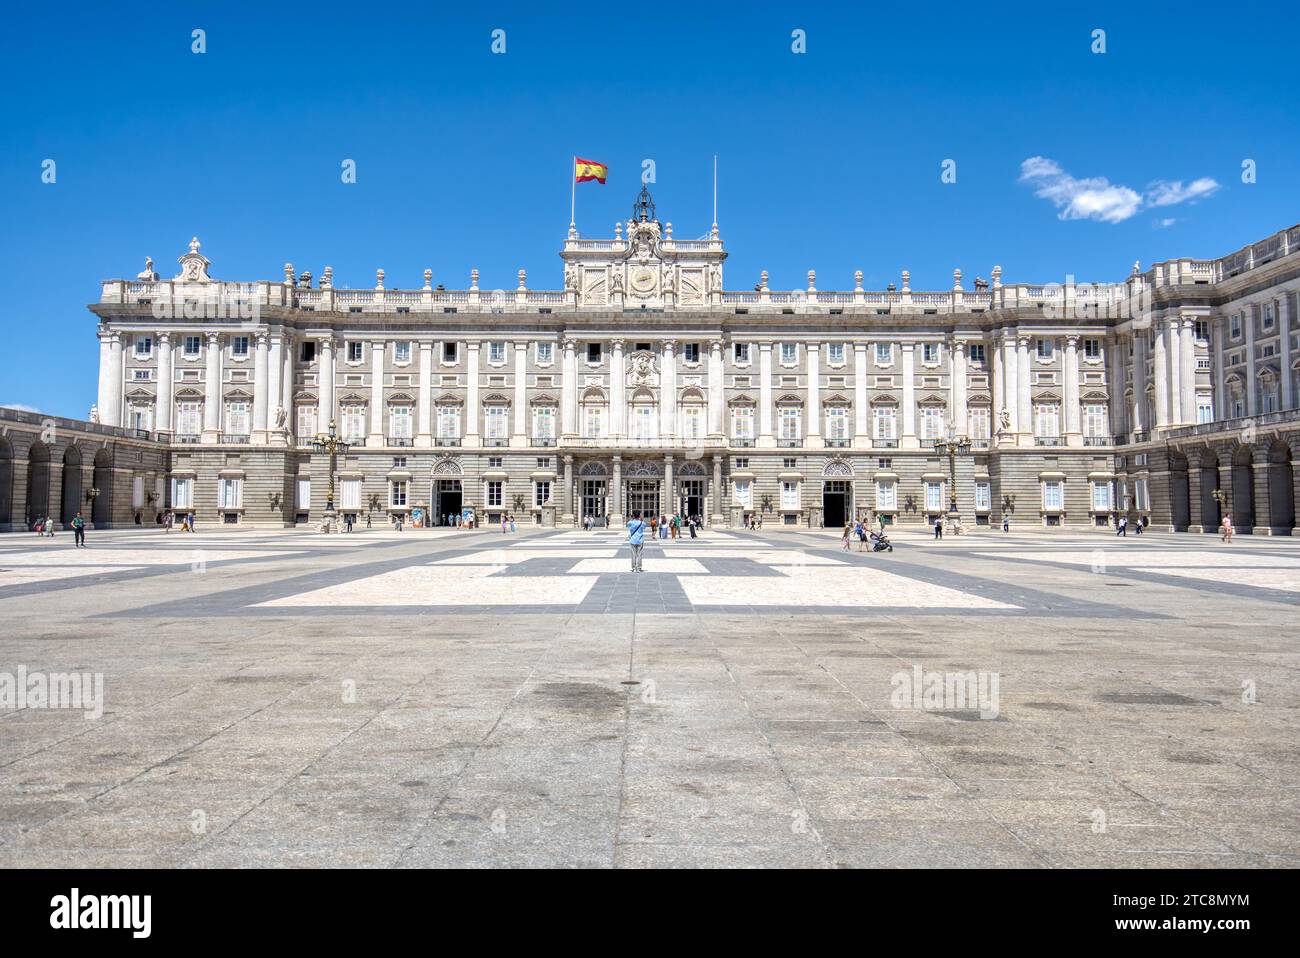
880, 543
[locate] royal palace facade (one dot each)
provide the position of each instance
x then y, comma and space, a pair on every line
645, 385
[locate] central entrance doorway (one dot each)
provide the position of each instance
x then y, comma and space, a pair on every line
643, 496
448, 501
691, 494
837, 503
595, 501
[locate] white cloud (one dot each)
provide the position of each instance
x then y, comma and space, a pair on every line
21, 407
1165, 223
1166, 193
1096, 198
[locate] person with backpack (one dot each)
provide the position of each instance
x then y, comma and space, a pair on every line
79, 531
636, 538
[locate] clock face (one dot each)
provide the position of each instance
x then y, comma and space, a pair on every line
643, 280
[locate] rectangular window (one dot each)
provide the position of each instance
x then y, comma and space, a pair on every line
1045, 348
303, 492
742, 493
1268, 316
354, 423
143, 347
543, 422
886, 495
1100, 496
593, 421
977, 353
741, 353
1203, 330
496, 418
349, 493
934, 497
1092, 349
835, 354
182, 493
979, 422
230, 493
742, 422
789, 494
448, 422
449, 353
884, 354
885, 418
643, 422
930, 352
691, 353
192, 345
306, 422
541, 492
1094, 420
837, 423
544, 353
401, 352
496, 352
693, 422
789, 354
239, 345
932, 422
1052, 495
399, 422
1141, 495
790, 422
237, 418
983, 497
399, 462
1204, 411
188, 418
397, 492
355, 352
494, 493
308, 352
142, 417
1234, 325
1048, 418
593, 353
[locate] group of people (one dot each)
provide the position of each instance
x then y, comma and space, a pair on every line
861, 530
1121, 526
753, 522
45, 526
508, 524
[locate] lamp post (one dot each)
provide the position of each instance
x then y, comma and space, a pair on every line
953, 445
330, 444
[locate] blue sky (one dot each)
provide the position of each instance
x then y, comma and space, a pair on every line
828, 160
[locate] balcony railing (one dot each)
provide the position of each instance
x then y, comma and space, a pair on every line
743, 442
496, 443
789, 443
187, 437
400, 441
1048, 441
447, 441
885, 443
238, 438
837, 443
1098, 441
980, 443
544, 441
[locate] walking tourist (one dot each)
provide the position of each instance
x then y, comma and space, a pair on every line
694, 524
1121, 527
938, 527
636, 538
848, 531
1227, 528
78, 530
347, 521
1006, 523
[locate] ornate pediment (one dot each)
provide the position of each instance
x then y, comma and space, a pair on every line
194, 266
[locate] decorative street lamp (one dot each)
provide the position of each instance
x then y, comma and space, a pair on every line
953, 445
330, 444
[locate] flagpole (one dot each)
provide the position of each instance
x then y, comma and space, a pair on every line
715, 192
573, 189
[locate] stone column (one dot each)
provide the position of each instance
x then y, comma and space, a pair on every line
1139, 377
670, 502
472, 411
1196, 522
861, 413
275, 401
617, 390
1263, 501
1115, 386
261, 379
1284, 349
1161, 377
163, 403
814, 393
909, 440
1073, 430
958, 382
112, 416
105, 374
668, 391
424, 431
1024, 410
1220, 390
718, 514
1173, 359
376, 437
569, 391
615, 494
1187, 359
766, 439
325, 386
717, 390
999, 385
519, 436
212, 391
568, 510
1252, 382
288, 389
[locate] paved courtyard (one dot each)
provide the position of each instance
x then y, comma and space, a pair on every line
442, 698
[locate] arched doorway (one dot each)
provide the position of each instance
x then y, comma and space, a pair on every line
691, 484
448, 497
71, 484
1180, 502
1281, 489
102, 510
1211, 515
837, 494
38, 482
6, 483
1243, 489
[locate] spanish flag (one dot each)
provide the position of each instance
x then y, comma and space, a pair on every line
585, 170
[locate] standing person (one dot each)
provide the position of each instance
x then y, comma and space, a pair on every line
367, 520
167, 521
938, 527
1227, 528
636, 538
695, 523
513, 527
78, 530
1006, 522
1137, 527
848, 530
347, 521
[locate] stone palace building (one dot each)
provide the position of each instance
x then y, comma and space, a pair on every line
645, 385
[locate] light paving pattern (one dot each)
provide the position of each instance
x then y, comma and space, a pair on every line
419, 699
